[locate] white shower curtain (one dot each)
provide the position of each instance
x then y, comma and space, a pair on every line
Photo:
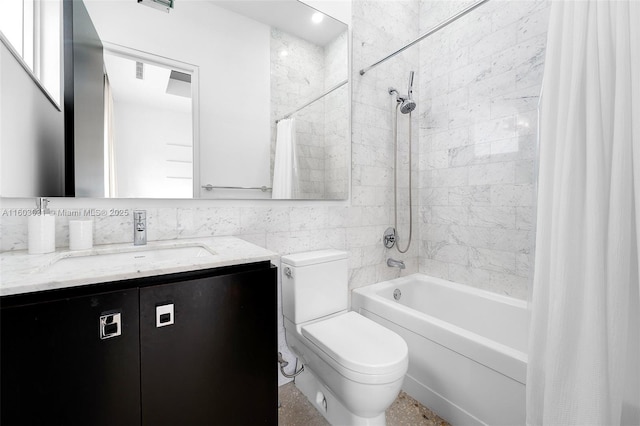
583, 347
285, 167
111, 182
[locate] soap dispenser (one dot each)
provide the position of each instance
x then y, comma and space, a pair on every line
41, 229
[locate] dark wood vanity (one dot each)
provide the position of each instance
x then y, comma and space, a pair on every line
191, 348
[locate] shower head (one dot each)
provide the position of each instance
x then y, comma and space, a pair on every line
407, 106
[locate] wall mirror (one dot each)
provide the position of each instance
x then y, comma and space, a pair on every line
212, 99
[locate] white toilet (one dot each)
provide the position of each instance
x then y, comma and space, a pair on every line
353, 367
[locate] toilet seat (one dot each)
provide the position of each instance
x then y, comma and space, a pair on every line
359, 347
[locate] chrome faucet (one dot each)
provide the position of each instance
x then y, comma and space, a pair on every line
395, 263
139, 227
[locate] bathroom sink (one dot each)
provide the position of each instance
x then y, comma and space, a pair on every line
110, 258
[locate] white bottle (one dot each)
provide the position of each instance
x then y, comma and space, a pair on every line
41, 229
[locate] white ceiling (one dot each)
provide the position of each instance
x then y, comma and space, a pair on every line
291, 16
151, 90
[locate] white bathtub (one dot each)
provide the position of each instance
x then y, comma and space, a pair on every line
467, 347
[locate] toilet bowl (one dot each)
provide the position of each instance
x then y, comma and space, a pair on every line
353, 367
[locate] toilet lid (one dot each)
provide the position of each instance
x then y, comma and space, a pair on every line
358, 343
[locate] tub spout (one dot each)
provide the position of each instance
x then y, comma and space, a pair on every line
395, 263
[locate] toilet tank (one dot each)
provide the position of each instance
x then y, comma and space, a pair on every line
314, 284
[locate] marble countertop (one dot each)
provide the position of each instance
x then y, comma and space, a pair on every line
21, 272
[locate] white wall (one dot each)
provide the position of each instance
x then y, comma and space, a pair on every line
31, 135
145, 143
232, 53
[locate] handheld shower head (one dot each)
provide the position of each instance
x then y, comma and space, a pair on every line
410, 89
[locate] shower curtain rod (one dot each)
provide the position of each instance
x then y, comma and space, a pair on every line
336, 87
432, 30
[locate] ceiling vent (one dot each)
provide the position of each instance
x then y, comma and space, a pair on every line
139, 70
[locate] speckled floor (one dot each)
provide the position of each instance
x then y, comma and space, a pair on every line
295, 410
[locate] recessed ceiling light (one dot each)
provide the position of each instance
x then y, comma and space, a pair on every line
317, 17
284, 53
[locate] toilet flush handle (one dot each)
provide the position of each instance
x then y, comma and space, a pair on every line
288, 273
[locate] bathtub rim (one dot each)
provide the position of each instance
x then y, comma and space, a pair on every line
376, 287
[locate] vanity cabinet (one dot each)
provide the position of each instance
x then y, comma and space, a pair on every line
190, 349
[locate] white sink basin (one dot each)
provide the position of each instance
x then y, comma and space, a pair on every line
132, 256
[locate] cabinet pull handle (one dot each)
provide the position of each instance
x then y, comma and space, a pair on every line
110, 325
164, 315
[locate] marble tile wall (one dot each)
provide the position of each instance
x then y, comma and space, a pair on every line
297, 75
336, 119
380, 27
300, 71
310, 152
480, 79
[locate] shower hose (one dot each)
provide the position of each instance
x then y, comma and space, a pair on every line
395, 182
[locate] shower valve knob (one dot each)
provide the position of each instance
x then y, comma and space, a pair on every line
389, 237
